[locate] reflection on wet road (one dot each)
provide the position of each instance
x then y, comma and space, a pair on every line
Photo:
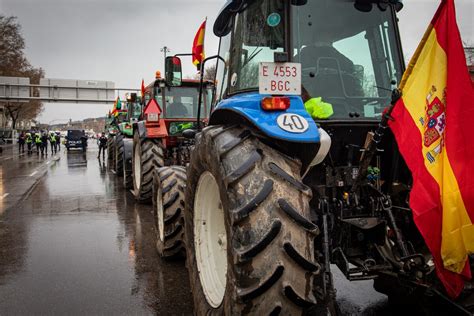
72, 241
79, 243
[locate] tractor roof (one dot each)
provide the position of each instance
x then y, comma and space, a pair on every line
186, 83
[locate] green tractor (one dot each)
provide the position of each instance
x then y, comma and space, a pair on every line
112, 130
161, 152
123, 141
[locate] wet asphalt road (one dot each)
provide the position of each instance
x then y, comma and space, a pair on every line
76, 243
73, 241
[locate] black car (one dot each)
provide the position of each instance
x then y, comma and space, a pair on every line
76, 138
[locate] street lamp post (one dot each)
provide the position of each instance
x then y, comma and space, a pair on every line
165, 50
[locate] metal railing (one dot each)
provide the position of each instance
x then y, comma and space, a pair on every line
57, 90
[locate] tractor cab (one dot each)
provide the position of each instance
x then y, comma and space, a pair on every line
178, 106
343, 58
349, 51
133, 110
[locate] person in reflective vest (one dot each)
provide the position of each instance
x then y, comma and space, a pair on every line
29, 142
52, 142
39, 147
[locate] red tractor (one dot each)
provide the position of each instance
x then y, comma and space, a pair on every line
161, 153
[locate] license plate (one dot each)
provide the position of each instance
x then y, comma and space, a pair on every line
280, 78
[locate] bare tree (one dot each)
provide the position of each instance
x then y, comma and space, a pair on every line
210, 73
12, 44
13, 63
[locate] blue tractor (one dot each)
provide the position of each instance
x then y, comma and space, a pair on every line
297, 169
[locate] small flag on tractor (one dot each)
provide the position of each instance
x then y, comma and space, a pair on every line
118, 104
432, 125
143, 88
198, 46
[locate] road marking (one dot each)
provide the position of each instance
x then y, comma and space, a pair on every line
8, 158
33, 173
5, 195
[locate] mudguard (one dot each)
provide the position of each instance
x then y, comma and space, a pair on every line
248, 106
156, 131
128, 152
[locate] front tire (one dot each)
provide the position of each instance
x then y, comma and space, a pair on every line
127, 176
147, 157
169, 184
249, 240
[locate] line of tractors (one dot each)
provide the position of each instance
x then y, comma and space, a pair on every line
262, 197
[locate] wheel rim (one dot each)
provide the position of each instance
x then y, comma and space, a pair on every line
210, 239
137, 166
160, 214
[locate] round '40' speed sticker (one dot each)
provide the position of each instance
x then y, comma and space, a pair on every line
292, 123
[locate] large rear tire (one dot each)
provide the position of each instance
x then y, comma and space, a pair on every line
119, 154
249, 240
111, 152
147, 157
169, 184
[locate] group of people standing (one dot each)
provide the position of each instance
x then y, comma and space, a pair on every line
39, 141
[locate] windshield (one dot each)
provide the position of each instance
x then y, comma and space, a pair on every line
182, 102
121, 116
259, 34
351, 59
136, 110
75, 134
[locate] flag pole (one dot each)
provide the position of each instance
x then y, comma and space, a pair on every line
371, 147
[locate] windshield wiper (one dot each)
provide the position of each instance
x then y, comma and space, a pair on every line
252, 56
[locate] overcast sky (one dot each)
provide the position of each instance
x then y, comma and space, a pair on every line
120, 40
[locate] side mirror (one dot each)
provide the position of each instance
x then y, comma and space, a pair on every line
173, 71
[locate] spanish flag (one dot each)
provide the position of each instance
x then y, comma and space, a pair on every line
198, 45
433, 127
